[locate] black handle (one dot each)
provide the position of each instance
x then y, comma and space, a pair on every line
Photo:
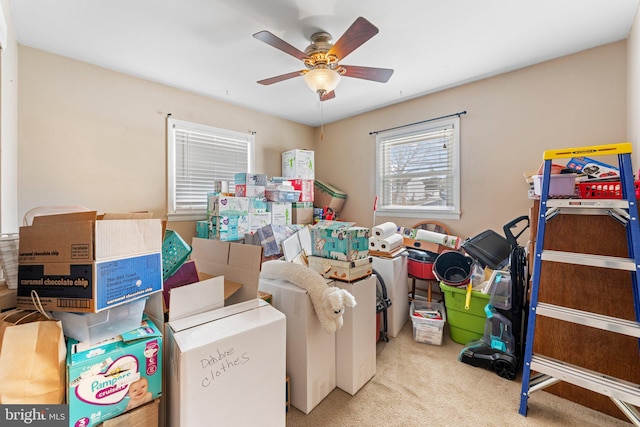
513, 240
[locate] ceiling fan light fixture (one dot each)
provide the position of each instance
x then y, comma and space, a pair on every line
322, 80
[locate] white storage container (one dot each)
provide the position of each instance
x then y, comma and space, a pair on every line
95, 327
425, 329
560, 185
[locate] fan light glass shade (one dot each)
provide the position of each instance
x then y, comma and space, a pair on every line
322, 80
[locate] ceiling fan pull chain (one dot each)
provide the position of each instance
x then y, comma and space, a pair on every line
321, 122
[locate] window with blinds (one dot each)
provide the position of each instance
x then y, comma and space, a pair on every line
198, 155
418, 170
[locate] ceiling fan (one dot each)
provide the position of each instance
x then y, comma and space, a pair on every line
322, 58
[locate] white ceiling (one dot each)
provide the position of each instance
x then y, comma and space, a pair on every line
206, 46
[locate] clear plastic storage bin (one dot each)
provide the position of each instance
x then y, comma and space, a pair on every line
96, 327
427, 326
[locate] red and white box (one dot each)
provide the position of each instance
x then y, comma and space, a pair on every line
305, 186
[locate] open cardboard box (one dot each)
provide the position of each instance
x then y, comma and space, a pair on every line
239, 265
188, 274
77, 262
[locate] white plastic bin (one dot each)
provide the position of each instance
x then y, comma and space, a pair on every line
560, 184
96, 327
427, 330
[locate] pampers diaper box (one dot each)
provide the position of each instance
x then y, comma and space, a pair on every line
113, 376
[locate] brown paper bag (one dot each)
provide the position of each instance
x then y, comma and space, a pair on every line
32, 359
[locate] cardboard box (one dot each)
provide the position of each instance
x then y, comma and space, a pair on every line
593, 168
296, 247
302, 214
218, 205
143, 416
202, 229
356, 340
246, 190
78, 263
305, 186
394, 273
326, 195
311, 362
298, 164
346, 271
340, 240
280, 213
223, 360
258, 220
102, 378
250, 178
236, 262
424, 245
225, 228
257, 204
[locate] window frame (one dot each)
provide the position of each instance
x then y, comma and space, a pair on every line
405, 211
173, 211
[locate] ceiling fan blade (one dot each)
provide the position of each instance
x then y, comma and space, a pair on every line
328, 95
355, 36
381, 75
280, 78
278, 43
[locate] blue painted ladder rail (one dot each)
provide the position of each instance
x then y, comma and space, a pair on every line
548, 370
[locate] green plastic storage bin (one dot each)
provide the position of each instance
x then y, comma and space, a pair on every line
175, 252
465, 325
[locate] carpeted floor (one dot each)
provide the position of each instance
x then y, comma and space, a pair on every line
425, 385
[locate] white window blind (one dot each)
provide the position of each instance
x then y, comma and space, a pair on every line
198, 155
418, 170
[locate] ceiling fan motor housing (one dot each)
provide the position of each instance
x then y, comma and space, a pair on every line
321, 43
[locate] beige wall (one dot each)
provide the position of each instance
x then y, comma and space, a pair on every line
633, 82
96, 138
511, 119
9, 128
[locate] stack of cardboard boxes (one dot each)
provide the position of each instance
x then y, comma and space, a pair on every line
317, 361
94, 274
258, 203
298, 168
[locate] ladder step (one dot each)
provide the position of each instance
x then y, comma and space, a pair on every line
589, 260
594, 320
594, 381
588, 203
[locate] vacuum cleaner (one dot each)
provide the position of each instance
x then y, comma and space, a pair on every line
502, 345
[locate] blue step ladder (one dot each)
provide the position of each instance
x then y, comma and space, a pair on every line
548, 370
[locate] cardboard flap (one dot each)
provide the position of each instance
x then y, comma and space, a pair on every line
127, 215
127, 237
236, 262
196, 298
230, 287
66, 217
213, 315
210, 255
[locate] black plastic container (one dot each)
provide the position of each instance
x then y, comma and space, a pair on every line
489, 248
